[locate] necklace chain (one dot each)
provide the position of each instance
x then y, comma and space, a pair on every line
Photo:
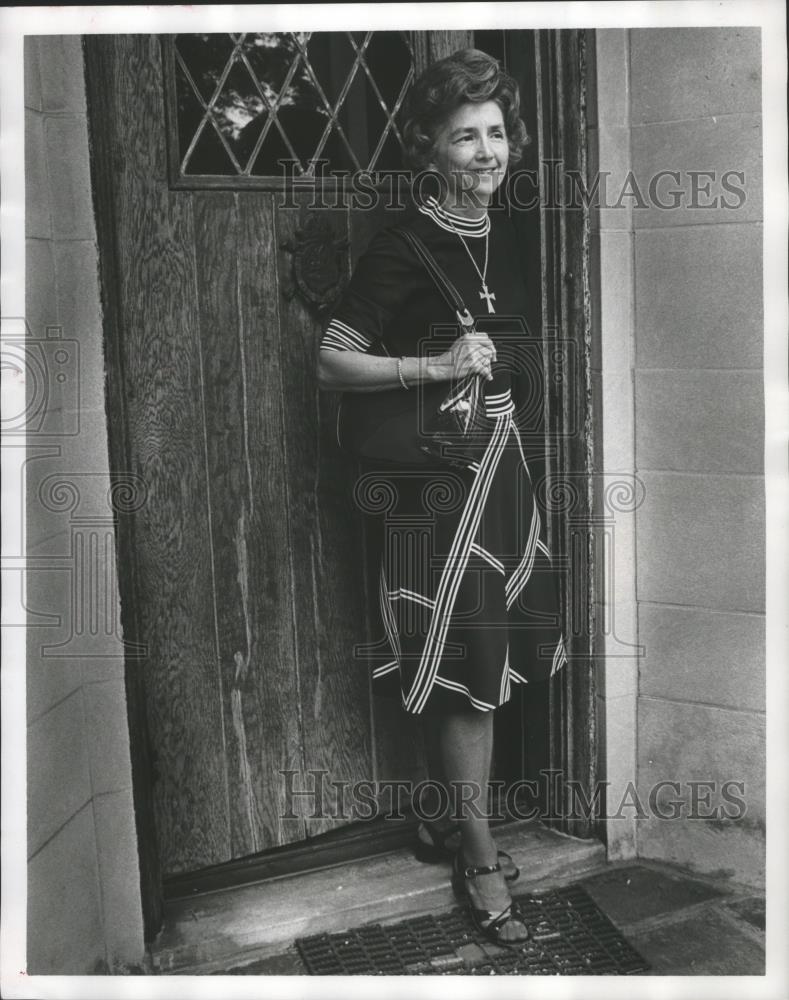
483, 274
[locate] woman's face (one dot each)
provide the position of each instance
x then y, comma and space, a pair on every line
471, 152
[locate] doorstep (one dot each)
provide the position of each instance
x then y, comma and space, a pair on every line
683, 923
214, 930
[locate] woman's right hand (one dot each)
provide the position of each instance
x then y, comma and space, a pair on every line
471, 354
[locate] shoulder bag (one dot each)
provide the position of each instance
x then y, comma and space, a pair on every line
436, 421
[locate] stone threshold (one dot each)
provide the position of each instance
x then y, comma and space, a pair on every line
236, 926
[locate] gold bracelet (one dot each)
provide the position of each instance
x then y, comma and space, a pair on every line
403, 382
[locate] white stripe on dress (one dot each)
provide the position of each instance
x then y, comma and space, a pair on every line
341, 337
454, 567
488, 557
385, 669
411, 595
388, 618
559, 656
520, 448
520, 577
517, 676
457, 686
504, 687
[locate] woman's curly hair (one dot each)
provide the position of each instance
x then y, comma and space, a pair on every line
467, 76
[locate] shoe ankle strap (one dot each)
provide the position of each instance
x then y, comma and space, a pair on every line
471, 871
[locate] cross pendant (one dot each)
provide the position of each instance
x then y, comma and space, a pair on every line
488, 297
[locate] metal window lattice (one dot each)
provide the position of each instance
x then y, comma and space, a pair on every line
243, 103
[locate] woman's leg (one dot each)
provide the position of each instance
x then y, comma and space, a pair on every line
431, 800
466, 747
466, 741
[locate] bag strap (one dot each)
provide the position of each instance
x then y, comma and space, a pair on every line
439, 276
471, 382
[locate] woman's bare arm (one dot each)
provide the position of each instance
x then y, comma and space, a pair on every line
354, 371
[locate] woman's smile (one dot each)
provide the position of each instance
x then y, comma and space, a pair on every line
472, 146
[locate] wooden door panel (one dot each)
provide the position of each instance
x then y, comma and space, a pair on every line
234, 260
248, 554
325, 549
270, 578
160, 360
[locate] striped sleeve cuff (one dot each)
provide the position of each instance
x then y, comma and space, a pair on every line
340, 337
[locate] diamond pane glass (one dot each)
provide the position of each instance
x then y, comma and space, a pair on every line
204, 57
210, 155
388, 58
246, 101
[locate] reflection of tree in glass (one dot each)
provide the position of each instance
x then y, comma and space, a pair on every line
269, 55
253, 69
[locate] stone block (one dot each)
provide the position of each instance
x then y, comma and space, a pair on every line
116, 841
41, 304
76, 266
713, 657
62, 73
704, 944
38, 221
58, 776
618, 676
700, 541
618, 717
694, 72
722, 832
610, 99
610, 153
73, 483
636, 893
617, 670
700, 421
66, 140
698, 173
699, 297
49, 680
612, 312
98, 669
47, 528
107, 736
618, 431
64, 924
32, 73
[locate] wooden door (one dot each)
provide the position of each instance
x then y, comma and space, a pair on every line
244, 572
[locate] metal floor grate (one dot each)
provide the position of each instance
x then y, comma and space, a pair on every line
570, 936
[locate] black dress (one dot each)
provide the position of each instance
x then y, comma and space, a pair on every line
468, 594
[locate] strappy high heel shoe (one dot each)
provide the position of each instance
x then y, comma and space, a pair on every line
438, 850
491, 924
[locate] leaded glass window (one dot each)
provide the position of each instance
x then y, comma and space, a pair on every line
241, 103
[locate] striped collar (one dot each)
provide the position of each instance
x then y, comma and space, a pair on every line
453, 222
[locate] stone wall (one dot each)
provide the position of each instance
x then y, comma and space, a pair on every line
680, 387
84, 911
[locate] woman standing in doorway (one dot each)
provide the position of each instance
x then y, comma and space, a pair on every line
475, 610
